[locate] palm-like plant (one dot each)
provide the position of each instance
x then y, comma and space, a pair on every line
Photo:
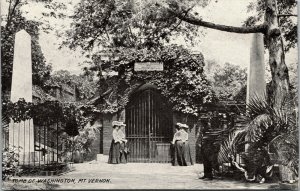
288, 146
81, 142
266, 126
86, 137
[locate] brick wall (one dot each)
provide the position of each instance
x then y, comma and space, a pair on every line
198, 140
192, 143
107, 132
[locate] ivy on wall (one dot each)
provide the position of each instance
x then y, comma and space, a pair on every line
182, 81
74, 117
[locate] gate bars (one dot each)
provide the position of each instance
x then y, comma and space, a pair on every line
149, 128
40, 148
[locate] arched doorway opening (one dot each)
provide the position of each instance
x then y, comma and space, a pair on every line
149, 123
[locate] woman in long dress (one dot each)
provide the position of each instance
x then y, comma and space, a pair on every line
114, 152
187, 158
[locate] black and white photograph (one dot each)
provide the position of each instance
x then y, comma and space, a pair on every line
149, 94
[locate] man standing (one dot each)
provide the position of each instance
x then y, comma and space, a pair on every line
207, 150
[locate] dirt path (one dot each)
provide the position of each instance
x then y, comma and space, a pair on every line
146, 176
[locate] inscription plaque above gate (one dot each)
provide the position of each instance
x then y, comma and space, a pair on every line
148, 66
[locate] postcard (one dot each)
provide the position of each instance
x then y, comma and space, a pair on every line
148, 94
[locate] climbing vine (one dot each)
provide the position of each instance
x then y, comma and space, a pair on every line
182, 81
74, 117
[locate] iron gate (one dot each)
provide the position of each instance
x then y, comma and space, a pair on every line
149, 127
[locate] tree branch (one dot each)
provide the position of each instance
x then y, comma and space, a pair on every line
9, 7
14, 8
199, 22
180, 21
226, 28
185, 14
287, 15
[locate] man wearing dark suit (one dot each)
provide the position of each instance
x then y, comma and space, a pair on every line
207, 151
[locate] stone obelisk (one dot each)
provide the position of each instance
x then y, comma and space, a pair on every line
22, 134
256, 82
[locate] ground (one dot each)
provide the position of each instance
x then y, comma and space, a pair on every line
145, 176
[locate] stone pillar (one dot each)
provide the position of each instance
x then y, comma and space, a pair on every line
192, 141
22, 134
122, 117
107, 132
256, 82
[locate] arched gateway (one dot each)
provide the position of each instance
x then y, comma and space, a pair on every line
149, 123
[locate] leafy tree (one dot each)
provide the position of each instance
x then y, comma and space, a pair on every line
286, 17
227, 80
84, 83
151, 23
273, 28
128, 23
14, 23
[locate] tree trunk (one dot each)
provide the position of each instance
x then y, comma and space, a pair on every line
279, 70
274, 42
280, 78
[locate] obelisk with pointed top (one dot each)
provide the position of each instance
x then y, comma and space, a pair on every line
22, 134
256, 82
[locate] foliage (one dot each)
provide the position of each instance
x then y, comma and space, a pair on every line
77, 134
75, 118
10, 159
84, 83
230, 145
287, 24
87, 136
267, 126
115, 32
182, 81
14, 23
72, 116
81, 142
288, 146
125, 24
227, 81
293, 77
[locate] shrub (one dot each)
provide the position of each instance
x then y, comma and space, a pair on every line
10, 159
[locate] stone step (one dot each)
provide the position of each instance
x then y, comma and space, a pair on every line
102, 158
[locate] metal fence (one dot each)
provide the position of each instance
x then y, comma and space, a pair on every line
35, 145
